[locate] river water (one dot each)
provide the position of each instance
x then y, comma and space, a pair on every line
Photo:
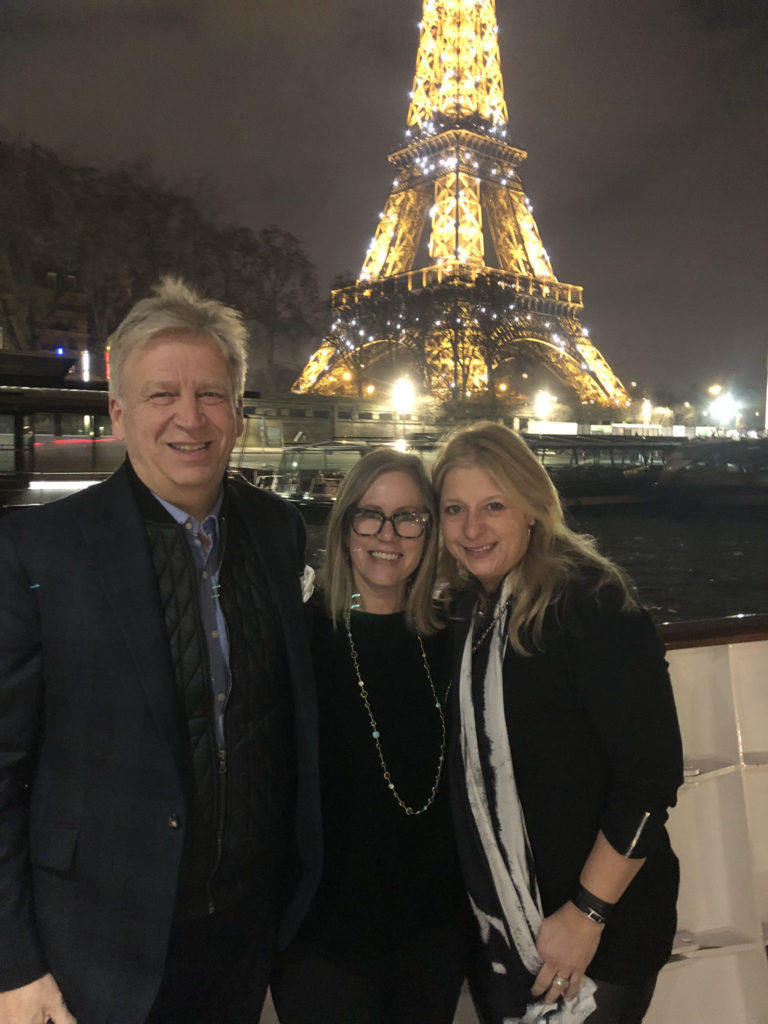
707, 565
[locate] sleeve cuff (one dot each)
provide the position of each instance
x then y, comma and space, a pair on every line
632, 832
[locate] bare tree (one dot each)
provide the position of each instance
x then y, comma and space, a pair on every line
117, 233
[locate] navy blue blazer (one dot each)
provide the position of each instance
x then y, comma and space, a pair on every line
92, 809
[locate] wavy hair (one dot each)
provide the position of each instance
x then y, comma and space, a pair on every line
177, 309
336, 579
555, 553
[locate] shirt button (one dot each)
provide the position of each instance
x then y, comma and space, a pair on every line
205, 575
187, 526
174, 821
215, 634
221, 697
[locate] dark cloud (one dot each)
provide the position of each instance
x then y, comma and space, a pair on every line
646, 126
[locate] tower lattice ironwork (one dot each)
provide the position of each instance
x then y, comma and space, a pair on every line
459, 320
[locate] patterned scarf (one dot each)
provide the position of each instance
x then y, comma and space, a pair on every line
506, 903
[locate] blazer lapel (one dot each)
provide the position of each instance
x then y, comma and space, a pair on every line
114, 532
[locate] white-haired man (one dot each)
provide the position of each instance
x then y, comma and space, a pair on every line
158, 791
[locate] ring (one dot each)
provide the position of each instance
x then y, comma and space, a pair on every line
561, 982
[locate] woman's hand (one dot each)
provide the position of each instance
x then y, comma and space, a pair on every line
37, 1003
566, 942
568, 939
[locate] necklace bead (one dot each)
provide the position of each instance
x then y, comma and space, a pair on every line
376, 734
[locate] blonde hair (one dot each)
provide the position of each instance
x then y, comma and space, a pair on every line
336, 578
177, 309
555, 553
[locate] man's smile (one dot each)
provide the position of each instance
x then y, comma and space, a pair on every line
179, 446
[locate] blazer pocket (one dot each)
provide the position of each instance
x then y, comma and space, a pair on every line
53, 846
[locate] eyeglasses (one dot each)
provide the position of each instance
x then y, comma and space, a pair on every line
367, 522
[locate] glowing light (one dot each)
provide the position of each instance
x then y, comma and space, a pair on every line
543, 405
59, 442
724, 409
403, 396
60, 485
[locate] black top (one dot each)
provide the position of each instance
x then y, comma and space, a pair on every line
386, 875
596, 746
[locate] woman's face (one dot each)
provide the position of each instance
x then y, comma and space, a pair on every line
383, 562
483, 530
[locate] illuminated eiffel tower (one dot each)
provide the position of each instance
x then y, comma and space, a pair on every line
458, 322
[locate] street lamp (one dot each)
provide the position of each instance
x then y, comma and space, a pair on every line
403, 397
543, 404
724, 409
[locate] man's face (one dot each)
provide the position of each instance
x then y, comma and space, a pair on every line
178, 418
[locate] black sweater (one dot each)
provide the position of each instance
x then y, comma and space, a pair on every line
387, 876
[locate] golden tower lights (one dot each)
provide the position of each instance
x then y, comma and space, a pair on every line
457, 173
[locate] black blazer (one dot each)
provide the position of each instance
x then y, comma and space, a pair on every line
92, 810
596, 746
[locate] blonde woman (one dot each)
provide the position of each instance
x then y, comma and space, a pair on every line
386, 938
568, 751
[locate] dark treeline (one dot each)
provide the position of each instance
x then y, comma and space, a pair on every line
111, 235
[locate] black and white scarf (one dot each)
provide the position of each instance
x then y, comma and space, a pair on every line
506, 899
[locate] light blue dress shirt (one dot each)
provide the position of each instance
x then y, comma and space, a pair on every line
208, 565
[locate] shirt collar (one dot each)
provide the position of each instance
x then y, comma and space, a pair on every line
182, 517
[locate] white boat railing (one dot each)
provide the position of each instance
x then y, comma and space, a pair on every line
719, 829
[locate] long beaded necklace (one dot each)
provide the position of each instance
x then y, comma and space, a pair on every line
375, 732
476, 643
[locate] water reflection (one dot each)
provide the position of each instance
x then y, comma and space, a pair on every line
707, 565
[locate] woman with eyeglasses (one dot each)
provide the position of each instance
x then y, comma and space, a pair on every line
387, 936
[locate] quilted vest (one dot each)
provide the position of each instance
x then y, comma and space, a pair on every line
240, 799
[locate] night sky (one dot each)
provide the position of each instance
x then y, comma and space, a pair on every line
645, 121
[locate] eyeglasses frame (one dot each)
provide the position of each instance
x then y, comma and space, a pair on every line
425, 517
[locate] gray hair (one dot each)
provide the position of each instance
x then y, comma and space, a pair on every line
336, 577
555, 552
177, 309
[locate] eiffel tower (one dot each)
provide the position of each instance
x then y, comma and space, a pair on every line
458, 323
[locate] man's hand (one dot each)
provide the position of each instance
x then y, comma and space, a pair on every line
36, 1003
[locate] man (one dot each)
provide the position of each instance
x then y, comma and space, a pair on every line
158, 807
